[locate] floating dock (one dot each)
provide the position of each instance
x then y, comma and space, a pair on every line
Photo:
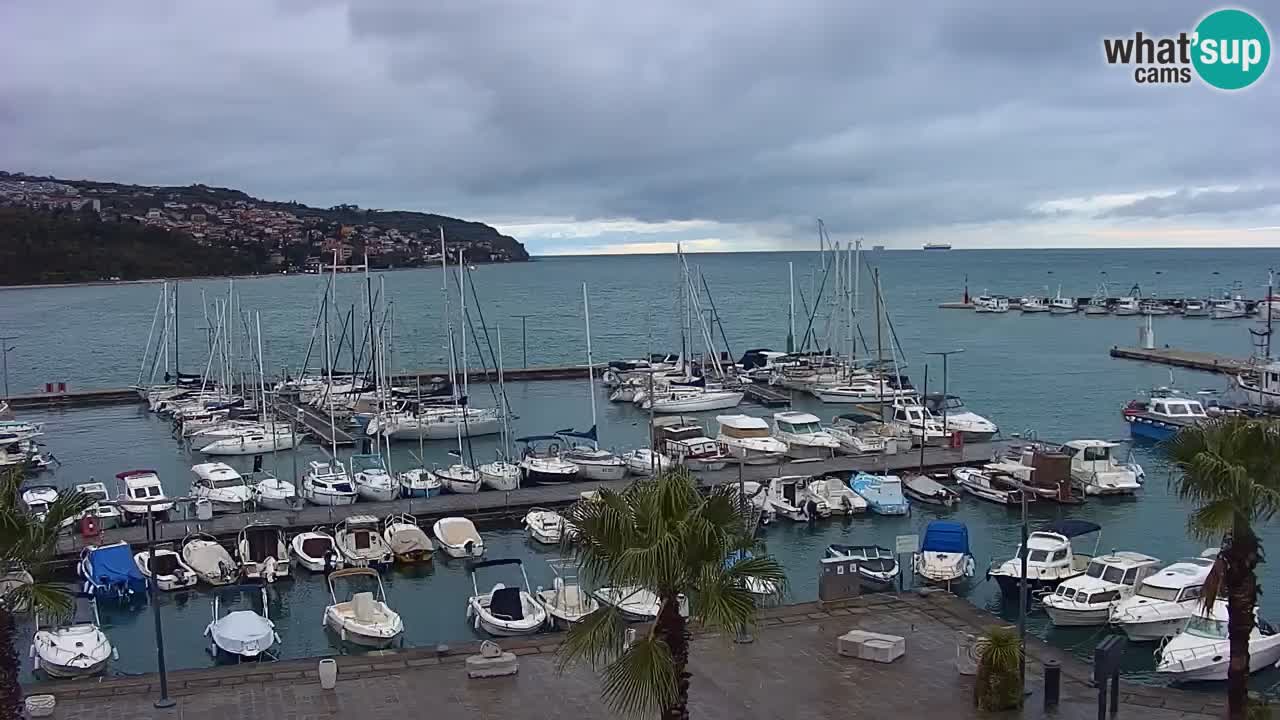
767, 395
1208, 362
315, 422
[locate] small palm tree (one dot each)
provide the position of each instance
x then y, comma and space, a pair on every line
665, 537
1230, 470
27, 545
998, 686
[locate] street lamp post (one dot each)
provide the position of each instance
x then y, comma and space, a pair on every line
524, 338
945, 354
1023, 489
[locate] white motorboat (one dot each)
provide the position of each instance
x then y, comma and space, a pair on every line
636, 604
644, 461
1163, 602
458, 537
1128, 305
835, 493
566, 602
316, 551
327, 484
459, 478
373, 482
108, 516
859, 433
692, 399
1195, 309
37, 499
685, 442
867, 392
209, 560
419, 483
992, 483
788, 496
1032, 305
504, 611
1062, 305
1095, 471
877, 565
1051, 559
364, 618
541, 463
1088, 599
360, 542
166, 568
1201, 651
596, 464
1155, 307
241, 634
804, 435
944, 557
544, 526
749, 440
73, 648
266, 440
222, 486
263, 552
407, 541
272, 493
914, 421
1228, 310
141, 485
991, 304
960, 419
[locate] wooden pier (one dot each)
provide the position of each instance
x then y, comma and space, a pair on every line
315, 422
491, 507
1208, 362
767, 395
74, 398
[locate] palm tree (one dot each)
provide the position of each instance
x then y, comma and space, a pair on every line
27, 545
1230, 470
664, 536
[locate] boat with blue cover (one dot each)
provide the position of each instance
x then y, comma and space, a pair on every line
110, 572
883, 493
944, 556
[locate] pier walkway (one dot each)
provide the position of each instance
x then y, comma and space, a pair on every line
493, 506
315, 422
1208, 362
767, 395
791, 670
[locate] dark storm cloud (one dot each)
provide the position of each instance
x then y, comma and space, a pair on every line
878, 117
1184, 202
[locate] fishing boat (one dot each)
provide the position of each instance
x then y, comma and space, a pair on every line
644, 461
1127, 306
541, 463
926, 490
944, 557
994, 483
360, 543
1163, 601
504, 611
263, 552
74, 647
804, 435
458, 537
1032, 305
222, 486
1050, 559
1088, 598
363, 618
1154, 307
316, 550
876, 565
1097, 306
748, 439
883, 493
419, 483
1094, 470
407, 541
1161, 416
1195, 309
327, 484
991, 304
1260, 389
108, 516
372, 481
544, 526
955, 417
834, 492
209, 560
164, 567
1228, 310
860, 433
1062, 305
1202, 651
141, 485
110, 573
241, 635
566, 602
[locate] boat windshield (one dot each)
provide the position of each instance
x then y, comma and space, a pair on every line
1207, 627
953, 403
1097, 453
1158, 593
803, 428
1036, 556
1109, 573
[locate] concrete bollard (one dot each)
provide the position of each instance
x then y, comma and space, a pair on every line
1052, 684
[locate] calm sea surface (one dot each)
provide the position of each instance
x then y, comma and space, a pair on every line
1042, 373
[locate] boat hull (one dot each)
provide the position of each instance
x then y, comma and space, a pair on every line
502, 482
1065, 617
71, 672
1141, 427
1009, 585
721, 401
277, 503
588, 470
376, 494
808, 452
1153, 630
369, 641
329, 500
538, 477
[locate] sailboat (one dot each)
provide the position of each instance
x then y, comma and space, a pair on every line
593, 463
458, 477
502, 474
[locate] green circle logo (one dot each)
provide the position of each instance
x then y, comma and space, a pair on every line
1231, 49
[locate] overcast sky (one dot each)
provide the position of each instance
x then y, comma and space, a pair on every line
587, 126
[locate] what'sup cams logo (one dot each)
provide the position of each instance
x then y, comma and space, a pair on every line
1229, 49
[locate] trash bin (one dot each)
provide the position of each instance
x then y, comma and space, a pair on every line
204, 509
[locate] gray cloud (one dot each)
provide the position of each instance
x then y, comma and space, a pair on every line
768, 113
1185, 202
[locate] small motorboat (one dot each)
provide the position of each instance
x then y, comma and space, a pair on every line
876, 564
458, 537
372, 481
407, 541
644, 461
363, 618
944, 557
263, 552
241, 634
316, 551
143, 487
1033, 305
956, 418
108, 516
327, 484
166, 568
1096, 471
883, 493
37, 499
209, 560
1201, 651
993, 484
74, 648
926, 490
419, 483
836, 494
504, 611
804, 435
459, 478
1050, 560
361, 543
1195, 309
566, 602
859, 433
110, 572
788, 496
990, 304
544, 526
1087, 599
636, 604
1163, 602
222, 486
749, 440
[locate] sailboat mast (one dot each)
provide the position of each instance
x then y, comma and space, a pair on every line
591, 372
791, 312
875, 281
502, 391
333, 298
177, 365
851, 292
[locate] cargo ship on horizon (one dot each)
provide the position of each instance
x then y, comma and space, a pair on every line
937, 246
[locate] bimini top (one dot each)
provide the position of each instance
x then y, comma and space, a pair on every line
946, 536
1082, 444
1071, 528
742, 422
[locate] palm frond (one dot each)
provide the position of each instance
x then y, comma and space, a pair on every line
50, 600
596, 640
1215, 582
642, 682
722, 601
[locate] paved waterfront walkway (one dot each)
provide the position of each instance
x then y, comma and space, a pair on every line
791, 671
